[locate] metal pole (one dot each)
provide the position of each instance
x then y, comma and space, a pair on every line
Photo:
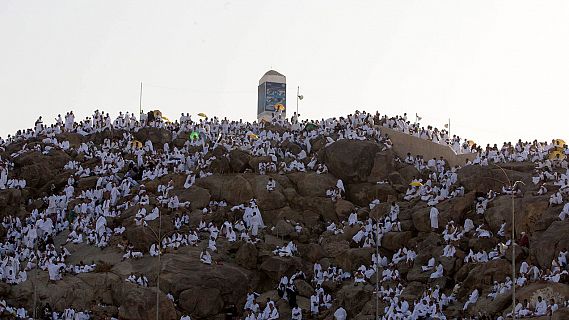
36, 279
512, 186
159, 267
449, 128
140, 101
377, 269
513, 257
297, 95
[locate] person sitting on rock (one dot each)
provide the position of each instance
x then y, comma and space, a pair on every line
271, 185
205, 257
524, 240
555, 199
471, 299
360, 235
430, 265
449, 251
251, 315
482, 233
340, 314
359, 278
565, 212
552, 307
438, 272
270, 312
540, 307
321, 169
502, 232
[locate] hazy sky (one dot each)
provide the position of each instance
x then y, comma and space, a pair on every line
498, 69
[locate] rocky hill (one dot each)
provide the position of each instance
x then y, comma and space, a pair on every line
104, 253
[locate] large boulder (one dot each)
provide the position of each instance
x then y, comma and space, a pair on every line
455, 209
312, 184
275, 267
351, 160
362, 194
324, 207
40, 170
158, 136
246, 256
343, 208
254, 162
503, 302
335, 246
11, 201
353, 258
545, 246
138, 302
353, 298
528, 210
185, 276
421, 219
234, 189
74, 139
483, 178
383, 166
266, 200
76, 292
481, 275
239, 160
312, 252
197, 196
142, 237
393, 241
408, 173
201, 302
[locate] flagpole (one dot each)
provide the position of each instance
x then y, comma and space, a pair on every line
449, 128
140, 101
297, 96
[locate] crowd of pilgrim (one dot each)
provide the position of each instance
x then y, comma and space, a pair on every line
29, 244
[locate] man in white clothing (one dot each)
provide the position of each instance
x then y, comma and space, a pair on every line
340, 314
565, 212
271, 185
540, 307
434, 216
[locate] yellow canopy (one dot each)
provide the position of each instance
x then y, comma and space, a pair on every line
253, 136
416, 184
471, 142
279, 107
559, 143
556, 155
203, 115
136, 143
157, 113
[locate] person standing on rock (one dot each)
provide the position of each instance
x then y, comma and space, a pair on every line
434, 216
314, 303
4, 178
291, 293
255, 224
340, 186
